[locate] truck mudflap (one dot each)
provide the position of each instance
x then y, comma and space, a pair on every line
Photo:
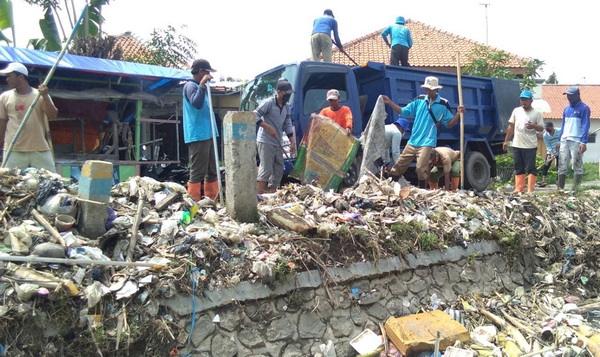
477, 171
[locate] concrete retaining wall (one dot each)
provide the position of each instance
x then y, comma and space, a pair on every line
311, 308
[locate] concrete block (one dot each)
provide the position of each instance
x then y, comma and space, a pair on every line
239, 138
417, 333
94, 184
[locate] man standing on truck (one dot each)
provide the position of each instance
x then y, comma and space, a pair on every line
574, 137
340, 114
32, 148
273, 118
401, 42
445, 162
523, 124
197, 132
429, 111
320, 40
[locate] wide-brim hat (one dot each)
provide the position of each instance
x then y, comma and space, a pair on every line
431, 83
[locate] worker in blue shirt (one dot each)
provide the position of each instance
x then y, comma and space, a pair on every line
552, 141
574, 137
429, 111
401, 42
320, 40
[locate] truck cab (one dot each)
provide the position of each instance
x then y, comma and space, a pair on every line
488, 103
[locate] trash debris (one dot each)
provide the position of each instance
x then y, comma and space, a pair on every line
48, 264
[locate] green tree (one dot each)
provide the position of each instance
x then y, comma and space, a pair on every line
166, 48
487, 62
552, 79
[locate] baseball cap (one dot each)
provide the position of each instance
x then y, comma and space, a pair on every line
572, 90
404, 124
202, 64
400, 20
328, 12
333, 94
285, 87
526, 94
14, 67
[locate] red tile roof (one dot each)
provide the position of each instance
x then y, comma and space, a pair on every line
553, 94
432, 49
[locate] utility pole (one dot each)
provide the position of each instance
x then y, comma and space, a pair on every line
486, 21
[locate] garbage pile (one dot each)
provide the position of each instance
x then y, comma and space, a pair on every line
156, 235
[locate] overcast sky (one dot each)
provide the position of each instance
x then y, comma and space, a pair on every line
244, 38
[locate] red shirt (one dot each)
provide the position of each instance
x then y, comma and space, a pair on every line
342, 116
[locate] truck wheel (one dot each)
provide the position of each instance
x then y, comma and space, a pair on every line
477, 171
351, 177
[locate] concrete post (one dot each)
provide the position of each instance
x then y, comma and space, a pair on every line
239, 138
94, 185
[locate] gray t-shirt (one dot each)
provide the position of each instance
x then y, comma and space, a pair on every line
278, 118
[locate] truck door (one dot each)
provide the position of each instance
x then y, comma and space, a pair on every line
314, 80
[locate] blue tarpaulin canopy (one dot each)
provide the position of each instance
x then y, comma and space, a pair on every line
81, 72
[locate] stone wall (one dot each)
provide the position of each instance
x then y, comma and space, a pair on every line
308, 310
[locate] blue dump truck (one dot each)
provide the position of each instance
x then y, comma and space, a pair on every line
488, 103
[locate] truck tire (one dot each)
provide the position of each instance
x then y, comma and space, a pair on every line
477, 171
351, 177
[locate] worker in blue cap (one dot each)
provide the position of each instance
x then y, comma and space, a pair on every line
523, 124
573, 141
401, 42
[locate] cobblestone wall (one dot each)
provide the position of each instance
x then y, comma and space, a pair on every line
308, 310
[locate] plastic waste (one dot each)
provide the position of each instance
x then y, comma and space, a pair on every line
61, 203
95, 292
435, 302
20, 240
88, 253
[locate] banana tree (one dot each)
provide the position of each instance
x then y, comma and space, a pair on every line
56, 18
6, 20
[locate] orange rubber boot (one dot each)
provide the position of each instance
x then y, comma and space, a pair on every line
455, 183
193, 189
211, 190
433, 185
531, 179
519, 183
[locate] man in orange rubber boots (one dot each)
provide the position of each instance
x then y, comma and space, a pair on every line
523, 124
197, 132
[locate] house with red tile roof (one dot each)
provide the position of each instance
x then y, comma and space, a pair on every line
433, 49
590, 95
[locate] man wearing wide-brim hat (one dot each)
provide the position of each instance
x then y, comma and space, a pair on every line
428, 111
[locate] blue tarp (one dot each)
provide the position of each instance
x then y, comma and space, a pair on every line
150, 78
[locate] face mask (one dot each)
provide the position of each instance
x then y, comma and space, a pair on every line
286, 98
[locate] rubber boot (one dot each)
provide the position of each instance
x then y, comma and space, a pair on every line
519, 183
577, 180
433, 185
561, 181
211, 190
531, 179
455, 183
193, 189
423, 184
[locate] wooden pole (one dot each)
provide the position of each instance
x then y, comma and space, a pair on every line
462, 124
